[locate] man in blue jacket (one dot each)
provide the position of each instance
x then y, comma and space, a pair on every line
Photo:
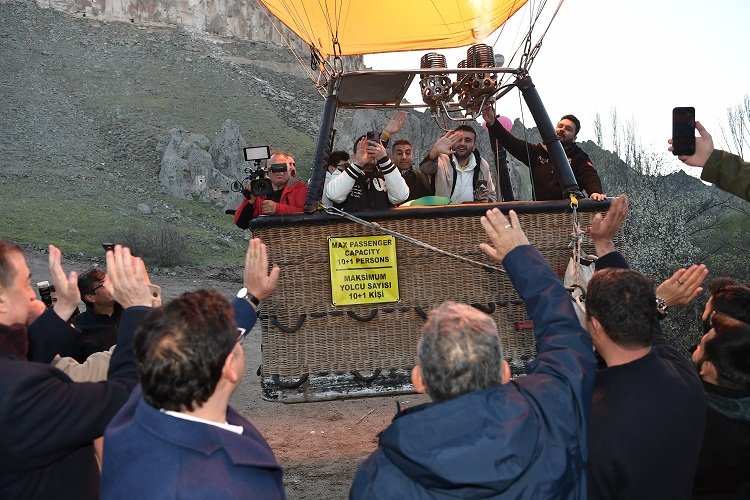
484, 436
178, 437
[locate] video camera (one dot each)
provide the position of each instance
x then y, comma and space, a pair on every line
257, 183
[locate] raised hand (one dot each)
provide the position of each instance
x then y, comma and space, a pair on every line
504, 235
488, 113
445, 144
603, 229
66, 287
127, 280
704, 146
256, 278
683, 286
395, 123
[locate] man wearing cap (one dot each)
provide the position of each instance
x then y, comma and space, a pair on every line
98, 324
371, 182
535, 156
288, 196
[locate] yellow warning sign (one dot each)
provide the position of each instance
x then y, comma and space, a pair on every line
363, 270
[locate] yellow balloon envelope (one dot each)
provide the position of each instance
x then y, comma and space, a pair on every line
368, 27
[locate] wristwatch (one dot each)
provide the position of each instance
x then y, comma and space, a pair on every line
661, 307
244, 294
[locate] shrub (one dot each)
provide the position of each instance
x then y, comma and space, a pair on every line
161, 245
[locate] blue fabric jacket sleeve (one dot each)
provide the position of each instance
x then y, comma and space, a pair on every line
244, 314
565, 354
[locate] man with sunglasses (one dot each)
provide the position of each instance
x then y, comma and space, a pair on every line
99, 322
288, 195
177, 436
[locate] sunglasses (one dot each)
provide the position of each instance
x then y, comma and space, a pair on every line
242, 334
279, 167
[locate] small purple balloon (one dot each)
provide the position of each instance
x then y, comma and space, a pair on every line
506, 122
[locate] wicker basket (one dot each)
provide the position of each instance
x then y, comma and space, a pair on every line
363, 348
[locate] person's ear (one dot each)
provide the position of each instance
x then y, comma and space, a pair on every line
708, 371
417, 380
504, 372
230, 370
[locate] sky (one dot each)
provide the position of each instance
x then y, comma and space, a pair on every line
640, 57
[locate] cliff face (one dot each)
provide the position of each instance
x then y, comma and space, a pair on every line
228, 18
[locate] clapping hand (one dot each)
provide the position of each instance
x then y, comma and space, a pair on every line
127, 279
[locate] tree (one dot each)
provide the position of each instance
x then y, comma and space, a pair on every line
738, 123
598, 134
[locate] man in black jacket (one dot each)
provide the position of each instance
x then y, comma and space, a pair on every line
536, 157
722, 359
47, 421
648, 413
99, 322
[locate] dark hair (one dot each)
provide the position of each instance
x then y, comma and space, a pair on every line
7, 270
337, 156
466, 128
400, 142
624, 302
181, 347
574, 120
459, 351
719, 283
732, 300
729, 351
87, 282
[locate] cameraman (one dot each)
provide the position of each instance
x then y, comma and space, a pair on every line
288, 195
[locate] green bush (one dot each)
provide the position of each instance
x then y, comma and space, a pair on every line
161, 245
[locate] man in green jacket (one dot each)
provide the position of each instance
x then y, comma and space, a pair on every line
726, 171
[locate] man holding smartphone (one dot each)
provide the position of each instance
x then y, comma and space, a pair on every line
288, 195
724, 170
370, 182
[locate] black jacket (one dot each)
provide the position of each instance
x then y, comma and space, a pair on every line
48, 422
546, 185
724, 462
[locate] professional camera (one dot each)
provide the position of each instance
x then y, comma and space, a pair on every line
45, 292
257, 183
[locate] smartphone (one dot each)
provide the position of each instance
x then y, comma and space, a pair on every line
155, 294
108, 246
373, 136
683, 131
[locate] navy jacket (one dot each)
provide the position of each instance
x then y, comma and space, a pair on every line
524, 439
48, 422
149, 454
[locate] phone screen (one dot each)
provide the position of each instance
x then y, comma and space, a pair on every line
683, 131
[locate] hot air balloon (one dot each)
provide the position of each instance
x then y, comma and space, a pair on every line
355, 288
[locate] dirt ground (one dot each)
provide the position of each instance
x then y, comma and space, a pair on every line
320, 445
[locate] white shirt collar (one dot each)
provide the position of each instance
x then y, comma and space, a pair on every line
237, 429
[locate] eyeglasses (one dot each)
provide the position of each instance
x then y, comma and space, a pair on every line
279, 167
242, 334
97, 287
